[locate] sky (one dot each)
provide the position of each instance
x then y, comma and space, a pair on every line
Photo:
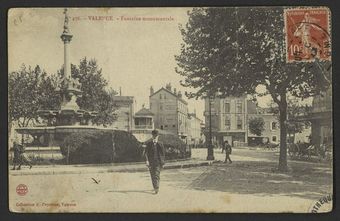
133, 54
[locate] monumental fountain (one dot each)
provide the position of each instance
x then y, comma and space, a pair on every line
70, 127
69, 118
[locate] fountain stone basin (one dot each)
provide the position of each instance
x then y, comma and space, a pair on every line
47, 136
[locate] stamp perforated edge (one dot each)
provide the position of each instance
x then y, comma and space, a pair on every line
329, 28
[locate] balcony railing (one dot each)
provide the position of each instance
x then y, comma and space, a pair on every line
143, 126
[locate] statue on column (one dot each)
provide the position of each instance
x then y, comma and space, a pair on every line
66, 29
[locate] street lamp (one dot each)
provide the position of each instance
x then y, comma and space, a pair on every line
210, 146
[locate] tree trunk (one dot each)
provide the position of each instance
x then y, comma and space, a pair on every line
283, 133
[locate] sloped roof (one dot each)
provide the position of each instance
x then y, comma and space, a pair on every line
123, 98
170, 92
144, 112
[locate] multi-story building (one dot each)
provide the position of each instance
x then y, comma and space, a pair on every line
144, 124
320, 116
230, 121
170, 111
194, 129
271, 132
124, 113
144, 119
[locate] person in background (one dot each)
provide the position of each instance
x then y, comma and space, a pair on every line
227, 149
16, 158
19, 157
223, 147
155, 157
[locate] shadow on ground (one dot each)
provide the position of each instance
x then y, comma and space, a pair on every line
132, 191
304, 180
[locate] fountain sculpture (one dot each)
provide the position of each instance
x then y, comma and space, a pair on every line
69, 118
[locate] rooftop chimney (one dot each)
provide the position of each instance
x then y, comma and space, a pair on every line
151, 90
168, 86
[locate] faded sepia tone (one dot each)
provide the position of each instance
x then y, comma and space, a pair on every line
103, 80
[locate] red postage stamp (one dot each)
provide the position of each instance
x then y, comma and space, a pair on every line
307, 34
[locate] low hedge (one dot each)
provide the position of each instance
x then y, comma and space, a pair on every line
175, 148
101, 147
115, 146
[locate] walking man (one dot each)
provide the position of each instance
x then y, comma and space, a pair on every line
155, 155
16, 158
227, 149
19, 157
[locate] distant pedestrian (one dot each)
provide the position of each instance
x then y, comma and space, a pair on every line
16, 151
228, 150
223, 147
155, 156
19, 156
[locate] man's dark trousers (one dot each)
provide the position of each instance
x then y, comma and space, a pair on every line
155, 175
155, 154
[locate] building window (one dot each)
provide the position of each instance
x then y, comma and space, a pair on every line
161, 127
161, 106
227, 107
274, 138
164, 96
174, 125
274, 125
212, 104
160, 96
239, 122
239, 107
227, 122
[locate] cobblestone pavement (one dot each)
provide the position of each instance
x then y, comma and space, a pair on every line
249, 184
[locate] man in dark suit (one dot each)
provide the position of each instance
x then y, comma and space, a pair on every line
19, 157
155, 156
227, 149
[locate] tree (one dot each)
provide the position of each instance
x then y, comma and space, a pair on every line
256, 126
233, 51
96, 96
294, 110
29, 91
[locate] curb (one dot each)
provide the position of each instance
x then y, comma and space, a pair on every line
112, 170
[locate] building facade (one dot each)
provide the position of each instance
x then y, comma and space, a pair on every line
230, 121
144, 124
194, 129
144, 119
271, 132
170, 111
124, 113
320, 116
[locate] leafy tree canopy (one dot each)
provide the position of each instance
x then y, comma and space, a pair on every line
232, 51
30, 90
96, 96
256, 125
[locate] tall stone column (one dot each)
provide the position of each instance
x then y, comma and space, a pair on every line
67, 65
66, 37
72, 86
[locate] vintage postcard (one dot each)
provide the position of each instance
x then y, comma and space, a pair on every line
208, 110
